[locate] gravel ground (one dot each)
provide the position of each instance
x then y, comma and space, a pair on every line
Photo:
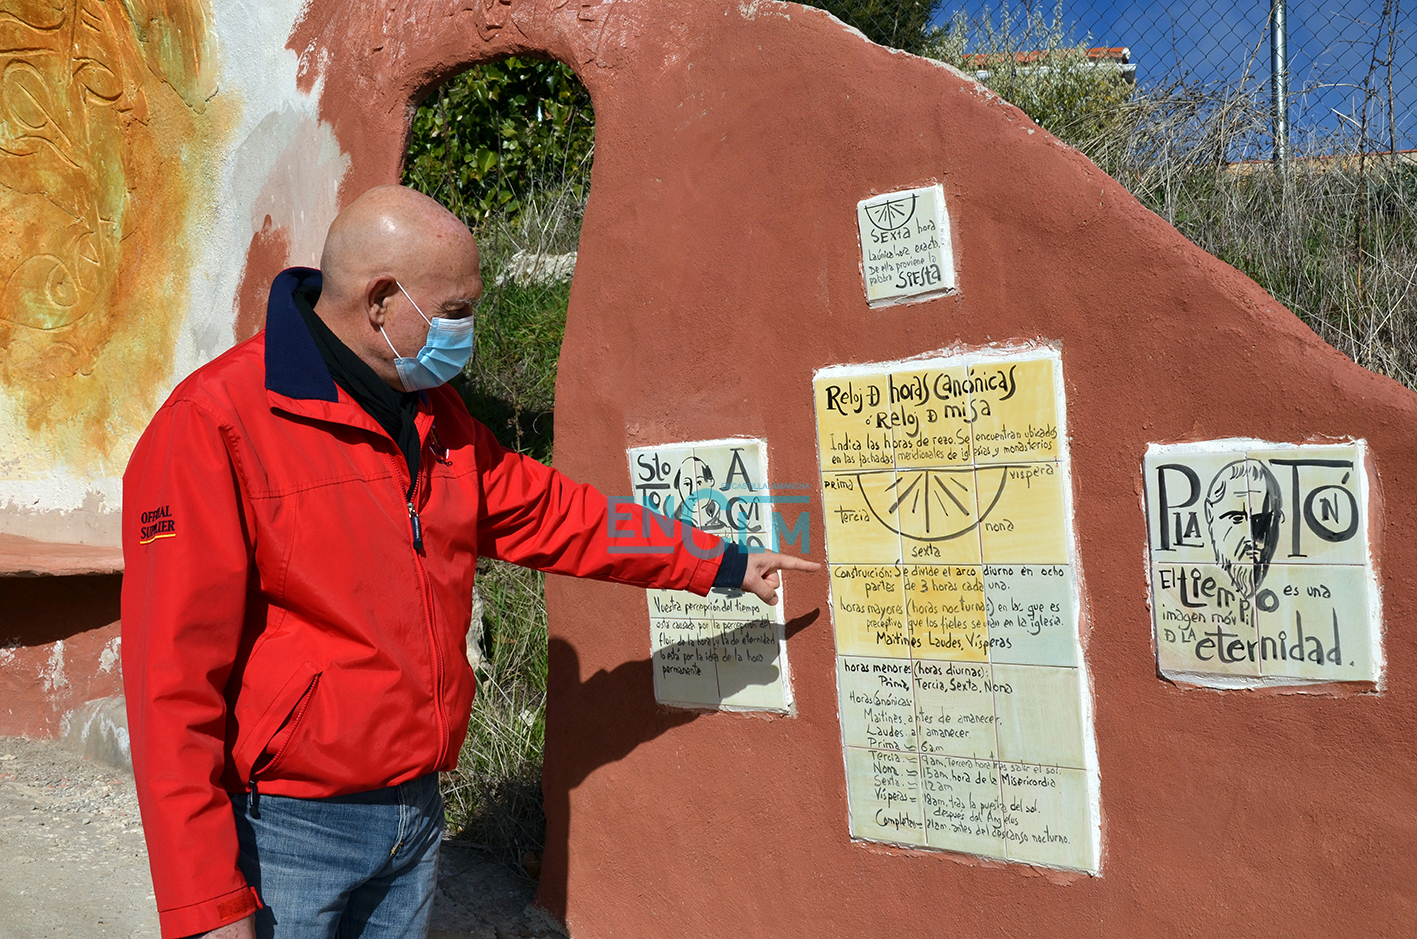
73, 864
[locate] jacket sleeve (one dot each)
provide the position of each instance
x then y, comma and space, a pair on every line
187, 558
534, 516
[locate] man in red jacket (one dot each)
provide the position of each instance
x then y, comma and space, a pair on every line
301, 525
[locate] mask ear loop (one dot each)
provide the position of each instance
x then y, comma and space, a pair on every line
415, 304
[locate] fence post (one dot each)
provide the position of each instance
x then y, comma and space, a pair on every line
1279, 79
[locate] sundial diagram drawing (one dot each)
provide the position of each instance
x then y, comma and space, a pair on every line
961, 684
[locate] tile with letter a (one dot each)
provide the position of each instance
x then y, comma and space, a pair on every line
954, 705
877, 710
1032, 617
1321, 625
868, 610
1021, 514
684, 662
944, 609
860, 518
1016, 411
930, 413
749, 672
1203, 622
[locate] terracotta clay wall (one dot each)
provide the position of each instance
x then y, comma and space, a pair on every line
719, 265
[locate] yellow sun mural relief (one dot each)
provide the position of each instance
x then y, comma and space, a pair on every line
108, 130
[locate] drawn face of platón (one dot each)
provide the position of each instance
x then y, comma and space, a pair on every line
1243, 510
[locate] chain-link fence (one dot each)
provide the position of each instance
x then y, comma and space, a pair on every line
1351, 64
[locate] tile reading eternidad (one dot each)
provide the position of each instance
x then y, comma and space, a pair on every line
1261, 571
966, 721
726, 650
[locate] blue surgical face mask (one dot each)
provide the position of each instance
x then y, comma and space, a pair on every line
443, 355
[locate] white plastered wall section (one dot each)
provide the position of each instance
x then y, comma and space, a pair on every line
280, 161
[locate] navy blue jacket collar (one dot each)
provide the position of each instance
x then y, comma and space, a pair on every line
294, 367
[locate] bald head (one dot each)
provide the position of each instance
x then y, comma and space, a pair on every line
392, 236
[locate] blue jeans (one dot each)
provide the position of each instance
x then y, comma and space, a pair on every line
360, 866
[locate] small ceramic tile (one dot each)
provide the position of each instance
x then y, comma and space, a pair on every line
1177, 485
1032, 619
930, 417
736, 503
877, 703
1320, 624
1022, 514
749, 665
883, 790
1310, 504
663, 478
944, 610
954, 705
1015, 411
868, 610
963, 808
1047, 816
1203, 622
905, 244
667, 604
684, 662
853, 422
859, 517
937, 514
1040, 714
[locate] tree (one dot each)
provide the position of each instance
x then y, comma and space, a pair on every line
496, 132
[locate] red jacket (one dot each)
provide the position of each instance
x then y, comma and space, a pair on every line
279, 623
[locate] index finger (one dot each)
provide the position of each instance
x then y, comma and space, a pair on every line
786, 563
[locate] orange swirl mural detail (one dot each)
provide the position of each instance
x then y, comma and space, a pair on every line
107, 137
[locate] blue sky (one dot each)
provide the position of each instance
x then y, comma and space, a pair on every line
1330, 48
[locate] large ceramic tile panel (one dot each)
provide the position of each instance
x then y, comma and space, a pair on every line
726, 650
1251, 542
954, 606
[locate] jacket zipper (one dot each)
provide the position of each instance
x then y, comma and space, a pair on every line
416, 528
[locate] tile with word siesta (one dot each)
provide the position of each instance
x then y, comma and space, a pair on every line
868, 610
1031, 613
1014, 407
883, 790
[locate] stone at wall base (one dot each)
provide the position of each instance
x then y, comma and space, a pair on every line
98, 731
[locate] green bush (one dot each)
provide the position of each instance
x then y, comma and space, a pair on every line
900, 24
494, 133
